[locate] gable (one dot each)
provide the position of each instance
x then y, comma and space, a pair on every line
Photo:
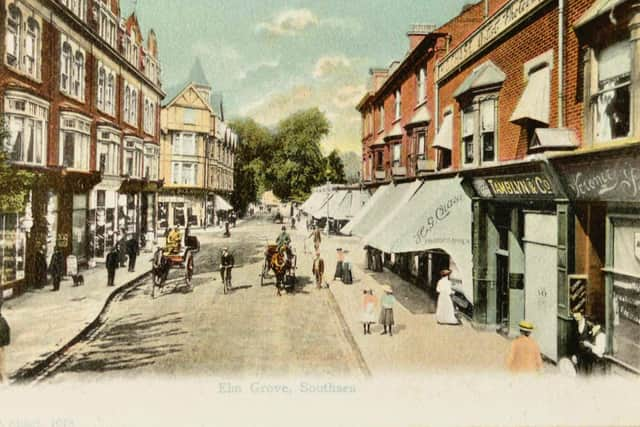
190, 98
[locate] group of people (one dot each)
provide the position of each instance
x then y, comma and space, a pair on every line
118, 255
385, 317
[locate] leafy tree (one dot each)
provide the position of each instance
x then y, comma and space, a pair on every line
352, 165
335, 168
298, 164
14, 182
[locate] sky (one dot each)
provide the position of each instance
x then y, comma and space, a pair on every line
270, 58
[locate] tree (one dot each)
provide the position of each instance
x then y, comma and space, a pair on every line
335, 168
352, 165
255, 150
298, 164
14, 182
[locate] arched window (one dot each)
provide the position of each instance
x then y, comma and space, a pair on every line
31, 51
134, 107
65, 68
12, 38
78, 83
110, 101
127, 103
102, 82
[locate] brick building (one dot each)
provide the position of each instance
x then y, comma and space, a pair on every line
80, 90
532, 107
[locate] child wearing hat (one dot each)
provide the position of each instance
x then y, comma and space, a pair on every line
368, 310
386, 314
524, 355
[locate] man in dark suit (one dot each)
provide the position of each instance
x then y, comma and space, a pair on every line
56, 268
132, 251
112, 264
318, 269
5, 340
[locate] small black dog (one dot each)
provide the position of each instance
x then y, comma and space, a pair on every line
78, 279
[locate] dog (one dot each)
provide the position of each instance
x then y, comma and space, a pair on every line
78, 279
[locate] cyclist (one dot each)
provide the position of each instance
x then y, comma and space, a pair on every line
226, 265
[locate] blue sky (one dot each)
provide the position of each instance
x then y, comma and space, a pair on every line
270, 58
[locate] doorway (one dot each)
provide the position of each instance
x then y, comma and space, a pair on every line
502, 284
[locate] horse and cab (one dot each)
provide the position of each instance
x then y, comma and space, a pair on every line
281, 260
174, 258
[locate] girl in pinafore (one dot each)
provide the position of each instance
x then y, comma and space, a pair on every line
368, 310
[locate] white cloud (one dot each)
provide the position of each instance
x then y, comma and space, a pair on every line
348, 96
255, 68
289, 22
328, 65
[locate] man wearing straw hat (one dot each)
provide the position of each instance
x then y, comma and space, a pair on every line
524, 356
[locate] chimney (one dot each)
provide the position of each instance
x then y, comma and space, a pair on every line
418, 32
378, 76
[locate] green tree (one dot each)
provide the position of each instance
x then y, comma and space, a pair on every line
298, 165
255, 150
14, 182
335, 168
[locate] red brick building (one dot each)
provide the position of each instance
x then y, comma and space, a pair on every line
80, 90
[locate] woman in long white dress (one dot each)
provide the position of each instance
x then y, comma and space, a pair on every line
445, 312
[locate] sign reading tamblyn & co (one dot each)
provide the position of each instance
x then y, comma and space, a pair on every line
610, 180
521, 186
502, 21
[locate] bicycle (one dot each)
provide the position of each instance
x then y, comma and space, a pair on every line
226, 277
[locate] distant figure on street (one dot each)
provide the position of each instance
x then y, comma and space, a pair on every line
445, 312
41, 267
122, 249
339, 264
283, 239
174, 239
5, 340
386, 312
524, 356
582, 336
317, 238
369, 302
56, 268
132, 251
226, 264
293, 223
318, 269
111, 262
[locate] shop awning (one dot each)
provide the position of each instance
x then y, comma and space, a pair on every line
392, 199
314, 201
371, 204
444, 137
221, 204
559, 139
421, 117
330, 205
535, 102
599, 7
438, 216
358, 200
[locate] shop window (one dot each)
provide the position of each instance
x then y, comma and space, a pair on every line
12, 248
611, 102
75, 138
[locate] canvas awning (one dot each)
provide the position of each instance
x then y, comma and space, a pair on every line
420, 118
329, 207
395, 133
392, 199
599, 7
358, 200
221, 204
444, 137
316, 198
545, 138
371, 204
535, 102
438, 216
318, 202
485, 75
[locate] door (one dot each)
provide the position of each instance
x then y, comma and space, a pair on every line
502, 283
541, 280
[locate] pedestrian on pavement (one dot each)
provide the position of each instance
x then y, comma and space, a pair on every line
5, 340
111, 262
122, 248
132, 251
369, 303
524, 356
317, 238
226, 264
445, 312
41, 267
339, 264
56, 267
318, 269
386, 312
582, 336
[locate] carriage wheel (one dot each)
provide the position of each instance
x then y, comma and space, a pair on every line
265, 270
188, 268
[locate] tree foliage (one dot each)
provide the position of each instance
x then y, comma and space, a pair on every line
14, 182
335, 168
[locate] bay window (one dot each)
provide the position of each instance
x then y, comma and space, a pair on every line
611, 100
75, 131
184, 173
26, 118
184, 144
133, 157
108, 152
151, 156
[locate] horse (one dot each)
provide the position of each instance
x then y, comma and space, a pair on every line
281, 265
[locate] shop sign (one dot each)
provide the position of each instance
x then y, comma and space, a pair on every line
502, 21
524, 186
603, 180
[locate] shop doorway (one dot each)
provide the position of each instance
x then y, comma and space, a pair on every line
502, 285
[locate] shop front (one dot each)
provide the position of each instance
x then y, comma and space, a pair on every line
103, 218
521, 251
605, 188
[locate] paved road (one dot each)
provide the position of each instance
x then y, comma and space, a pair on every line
250, 332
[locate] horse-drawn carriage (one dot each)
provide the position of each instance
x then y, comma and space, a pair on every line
165, 260
283, 264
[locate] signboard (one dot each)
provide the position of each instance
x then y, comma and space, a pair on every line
607, 180
505, 19
522, 186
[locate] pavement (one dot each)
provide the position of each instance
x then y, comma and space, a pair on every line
418, 344
43, 321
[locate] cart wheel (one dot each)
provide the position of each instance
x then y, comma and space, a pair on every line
188, 268
265, 270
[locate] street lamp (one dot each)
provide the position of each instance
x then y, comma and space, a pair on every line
328, 173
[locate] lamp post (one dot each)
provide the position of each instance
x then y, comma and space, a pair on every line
328, 173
